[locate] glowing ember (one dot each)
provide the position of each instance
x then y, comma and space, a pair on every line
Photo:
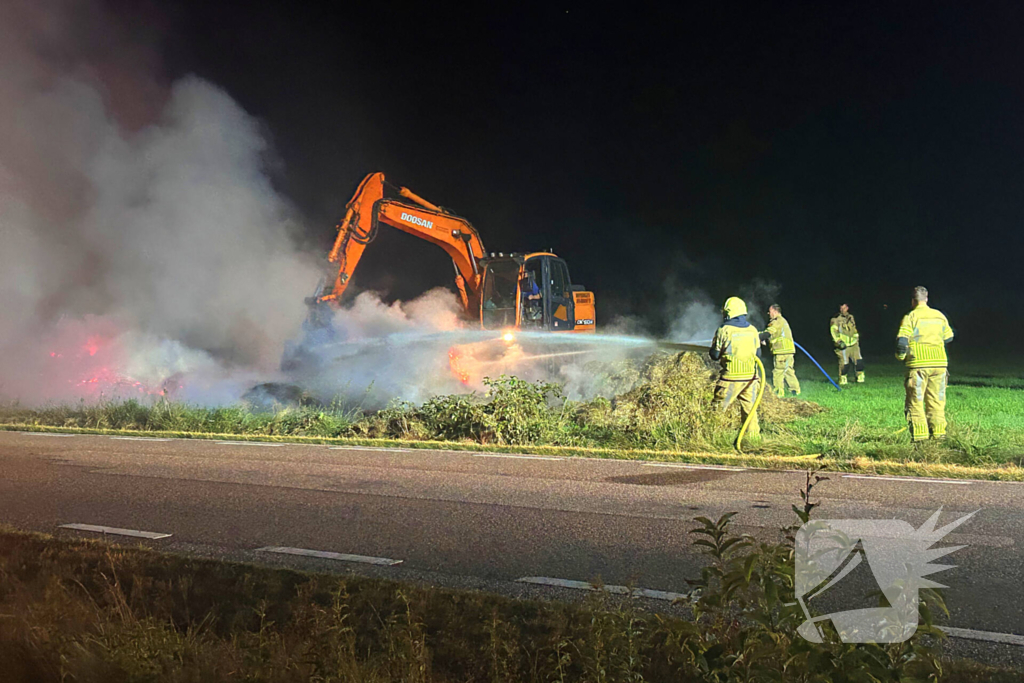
456, 361
92, 345
93, 369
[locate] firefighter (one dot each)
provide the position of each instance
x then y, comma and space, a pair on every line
735, 345
921, 345
847, 343
779, 338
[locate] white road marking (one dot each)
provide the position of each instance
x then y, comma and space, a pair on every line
726, 468
925, 480
971, 634
45, 434
620, 590
344, 557
516, 457
152, 535
247, 443
139, 438
376, 448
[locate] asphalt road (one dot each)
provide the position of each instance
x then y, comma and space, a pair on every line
485, 520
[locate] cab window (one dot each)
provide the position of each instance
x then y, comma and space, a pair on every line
559, 279
499, 297
533, 304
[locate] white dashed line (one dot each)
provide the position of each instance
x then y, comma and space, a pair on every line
619, 590
247, 443
376, 448
45, 434
925, 480
139, 438
152, 535
515, 457
725, 468
344, 557
971, 634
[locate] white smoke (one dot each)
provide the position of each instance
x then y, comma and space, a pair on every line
132, 213
372, 352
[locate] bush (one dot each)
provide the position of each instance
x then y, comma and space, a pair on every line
454, 418
518, 411
748, 618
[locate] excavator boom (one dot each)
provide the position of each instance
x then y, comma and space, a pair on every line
369, 208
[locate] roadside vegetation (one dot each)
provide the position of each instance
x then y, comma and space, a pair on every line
86, 611
661, 404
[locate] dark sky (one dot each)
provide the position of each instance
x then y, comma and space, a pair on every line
841, 151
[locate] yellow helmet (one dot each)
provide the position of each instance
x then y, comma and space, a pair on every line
733, 307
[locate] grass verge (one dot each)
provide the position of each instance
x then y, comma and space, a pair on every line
89, 611
661, 411
1001, 472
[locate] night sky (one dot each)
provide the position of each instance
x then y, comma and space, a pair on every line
834, 151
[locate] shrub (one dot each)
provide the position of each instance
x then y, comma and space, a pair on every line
519, 412
454, 417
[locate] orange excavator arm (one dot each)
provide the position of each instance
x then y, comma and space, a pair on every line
368, 208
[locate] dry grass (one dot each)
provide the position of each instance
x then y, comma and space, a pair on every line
84, 611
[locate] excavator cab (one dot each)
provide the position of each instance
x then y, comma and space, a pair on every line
498, 304
533, 292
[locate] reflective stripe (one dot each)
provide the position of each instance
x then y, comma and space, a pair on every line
739, 348
922, 355
781, 340
844, 329
739, 369
927, 331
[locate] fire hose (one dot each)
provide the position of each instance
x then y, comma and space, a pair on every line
818, 366
757, 402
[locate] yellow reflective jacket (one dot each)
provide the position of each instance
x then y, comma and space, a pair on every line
780, 340
735, 348
921, 341
844, 329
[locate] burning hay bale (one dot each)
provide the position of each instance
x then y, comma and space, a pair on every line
668, 405
663, 401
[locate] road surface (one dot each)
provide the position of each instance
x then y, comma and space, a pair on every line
487, 521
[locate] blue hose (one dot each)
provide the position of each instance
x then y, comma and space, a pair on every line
819, 367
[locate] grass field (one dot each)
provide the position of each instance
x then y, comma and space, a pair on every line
984, 408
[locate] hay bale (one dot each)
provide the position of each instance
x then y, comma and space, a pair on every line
668, 403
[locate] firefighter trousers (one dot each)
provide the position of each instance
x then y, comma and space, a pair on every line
783, 374
850, 358
742, 391
926, 402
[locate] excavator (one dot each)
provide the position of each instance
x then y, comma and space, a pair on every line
505, 292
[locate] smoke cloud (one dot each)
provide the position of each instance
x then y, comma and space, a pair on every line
145, 252
142, 238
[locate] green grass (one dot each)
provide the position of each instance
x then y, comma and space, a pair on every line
984, 409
